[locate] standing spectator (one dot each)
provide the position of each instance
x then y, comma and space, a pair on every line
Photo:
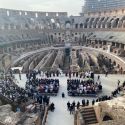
93, 102
78, 105
68, 105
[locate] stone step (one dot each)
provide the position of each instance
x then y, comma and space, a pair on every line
89, 115
90, 119
92, 122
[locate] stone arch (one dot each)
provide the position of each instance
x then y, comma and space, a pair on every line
107, 118
47, 14
104, 22
57, 14
90, 22
121, 21
109, 22
25, 13
100, 22
20, 13
68, 24
81, 25
95, 22
8, 13
86, 22
115, 23
36, 15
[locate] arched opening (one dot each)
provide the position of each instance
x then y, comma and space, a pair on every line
81, 25
68, 24
57, 14
25, 13
115, 25
107, 118
8, 13
20, 13
47, 14
76, 26
36, 15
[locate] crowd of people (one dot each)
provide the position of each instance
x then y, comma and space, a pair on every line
86, 74
18, 95
37, 89
77, 87
71, 107
45, 86
11, 91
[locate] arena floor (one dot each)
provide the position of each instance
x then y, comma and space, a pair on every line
61, 115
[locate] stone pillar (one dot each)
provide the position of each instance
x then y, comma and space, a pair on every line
109, 48
121, 46
124, 46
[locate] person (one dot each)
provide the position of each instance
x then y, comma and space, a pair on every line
78, 105
63, 95
83, 102
87, 103
118, 83
93, 102
73, 104
68, 105
52, 107
71, 109
98, 78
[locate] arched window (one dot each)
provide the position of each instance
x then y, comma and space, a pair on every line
68, 24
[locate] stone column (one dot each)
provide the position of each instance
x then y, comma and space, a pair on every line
109, 48
124, 46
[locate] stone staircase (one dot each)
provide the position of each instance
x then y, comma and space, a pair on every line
89, 115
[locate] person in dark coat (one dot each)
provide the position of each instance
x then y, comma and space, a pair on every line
68, 105
87, 103
63, 95
83, 102
78, 105
93, 102
52, 107
71, 109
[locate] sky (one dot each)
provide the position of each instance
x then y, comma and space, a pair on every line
73, 7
